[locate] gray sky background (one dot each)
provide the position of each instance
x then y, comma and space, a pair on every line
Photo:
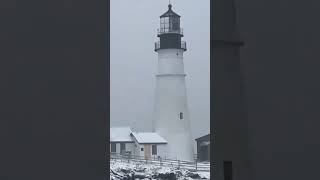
133, 62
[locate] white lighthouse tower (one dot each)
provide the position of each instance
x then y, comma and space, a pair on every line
171, 116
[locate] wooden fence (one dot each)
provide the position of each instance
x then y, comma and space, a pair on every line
157, 161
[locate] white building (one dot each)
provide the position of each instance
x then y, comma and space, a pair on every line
149, 144
120, 140
146, 144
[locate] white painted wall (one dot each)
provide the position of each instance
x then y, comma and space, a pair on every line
170, 100
170, 61
130, 147
141, 153
136, 149
118, 147
161, 150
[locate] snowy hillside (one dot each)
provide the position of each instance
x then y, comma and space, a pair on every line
134, 170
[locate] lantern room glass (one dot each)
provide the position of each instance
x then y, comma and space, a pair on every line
170, 24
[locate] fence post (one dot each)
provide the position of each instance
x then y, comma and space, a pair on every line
196, 165
178, 164
160, 161
128, 158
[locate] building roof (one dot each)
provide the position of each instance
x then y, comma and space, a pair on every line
169, 13
204, 138
148, 138
120, 134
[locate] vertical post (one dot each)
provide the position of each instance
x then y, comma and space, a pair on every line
178, 164
196, 165
128, 158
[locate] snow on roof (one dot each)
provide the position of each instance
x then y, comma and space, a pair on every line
205, 143
148, 137
120, 134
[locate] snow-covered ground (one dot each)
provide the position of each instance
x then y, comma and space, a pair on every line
136, 170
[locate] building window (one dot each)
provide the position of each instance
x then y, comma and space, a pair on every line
181, 115
122, 147
154, 149
113, 147
174, 23
141, 149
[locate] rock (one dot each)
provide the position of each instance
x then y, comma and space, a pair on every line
167, 176
126, 171
141, 176
140, 169
193, 175
178, 173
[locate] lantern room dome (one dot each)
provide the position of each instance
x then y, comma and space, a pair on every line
169, 13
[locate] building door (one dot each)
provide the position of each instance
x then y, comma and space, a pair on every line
122, 148
154, 150
227, 170
147, 151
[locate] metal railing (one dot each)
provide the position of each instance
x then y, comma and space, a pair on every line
157, 161
157, 45
165, 31
183, 45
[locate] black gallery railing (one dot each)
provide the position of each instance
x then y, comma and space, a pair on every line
183, 45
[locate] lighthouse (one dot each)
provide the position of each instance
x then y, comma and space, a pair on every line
171, 115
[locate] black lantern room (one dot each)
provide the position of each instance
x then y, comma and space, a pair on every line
170, 33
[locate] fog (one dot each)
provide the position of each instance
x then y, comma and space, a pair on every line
133, 62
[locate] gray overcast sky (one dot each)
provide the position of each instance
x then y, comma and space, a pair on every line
133, 62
